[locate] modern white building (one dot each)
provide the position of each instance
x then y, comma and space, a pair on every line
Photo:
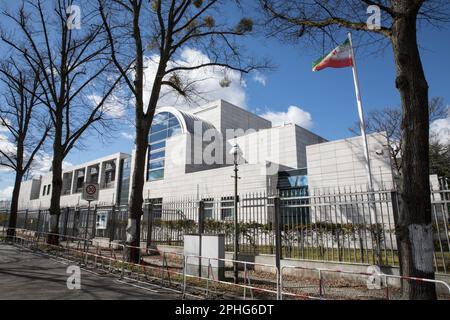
189, 155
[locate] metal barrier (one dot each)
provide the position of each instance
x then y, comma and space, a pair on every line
362, 285
170, 269
331, 225
247, 285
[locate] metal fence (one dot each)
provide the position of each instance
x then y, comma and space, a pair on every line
335, 225
173, 272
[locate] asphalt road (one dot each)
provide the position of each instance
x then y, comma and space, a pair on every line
25, 275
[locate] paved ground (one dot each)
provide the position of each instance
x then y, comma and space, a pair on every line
26, 275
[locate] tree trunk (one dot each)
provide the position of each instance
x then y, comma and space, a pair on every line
55, 201
136, 198
415, 224
14, 206
16, 190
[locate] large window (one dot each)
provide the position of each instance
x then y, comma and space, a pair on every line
208, 208
67, 181
156, 207
227, 208
102, 220
79, 180
294, 184
110, 174
92, 176
165, 125
124, 181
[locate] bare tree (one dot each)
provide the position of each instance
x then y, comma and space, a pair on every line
75, 82
25, 125
388, 120
163, 28
327, 19
440, 159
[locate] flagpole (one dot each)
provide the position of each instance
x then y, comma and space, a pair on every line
364, 138
361, 115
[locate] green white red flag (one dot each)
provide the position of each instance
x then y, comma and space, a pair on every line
340, 57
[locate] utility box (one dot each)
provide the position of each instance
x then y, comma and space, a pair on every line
210, 248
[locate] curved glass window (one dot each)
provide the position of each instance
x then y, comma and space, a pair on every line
165, 125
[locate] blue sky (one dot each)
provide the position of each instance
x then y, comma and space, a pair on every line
327, 95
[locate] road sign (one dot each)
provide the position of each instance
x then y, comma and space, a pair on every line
90, 191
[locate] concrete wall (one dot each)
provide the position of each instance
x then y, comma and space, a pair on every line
107, 195
25, 193
233, 117
211, 182
434, 182
284, 145
303, 139
341, 163
340, 166
210, 112
224, 115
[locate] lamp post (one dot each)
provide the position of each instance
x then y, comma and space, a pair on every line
236, 151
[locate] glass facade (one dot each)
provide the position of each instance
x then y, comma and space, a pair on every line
226, 208
293, 184
110, 174
208, 208
164, 126
67, 181
125, 173
79, 180
93, 174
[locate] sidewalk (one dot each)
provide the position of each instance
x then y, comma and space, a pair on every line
25, 275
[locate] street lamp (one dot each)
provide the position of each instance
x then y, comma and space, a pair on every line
236, 152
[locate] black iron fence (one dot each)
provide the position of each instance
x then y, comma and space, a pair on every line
334, 225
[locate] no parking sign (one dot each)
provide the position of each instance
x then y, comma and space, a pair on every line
90, 191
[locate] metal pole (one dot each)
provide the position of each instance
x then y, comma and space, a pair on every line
65, 223
113, 224
86, 228
25, 224
87, 220
276, 203
184, 276
38, 224
94, 224
320, 283
149, 224
236, 226
361, 114
201, 229
366, 148
396, 214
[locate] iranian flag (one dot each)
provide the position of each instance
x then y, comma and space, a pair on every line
340, 57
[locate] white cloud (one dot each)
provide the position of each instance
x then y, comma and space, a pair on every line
112, 106
294, 115
7, 147
441, 129
127, 135
6, 193
43, 162
259, 77
206, 82
3, 127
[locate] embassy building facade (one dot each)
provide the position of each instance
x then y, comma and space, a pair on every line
189, 156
